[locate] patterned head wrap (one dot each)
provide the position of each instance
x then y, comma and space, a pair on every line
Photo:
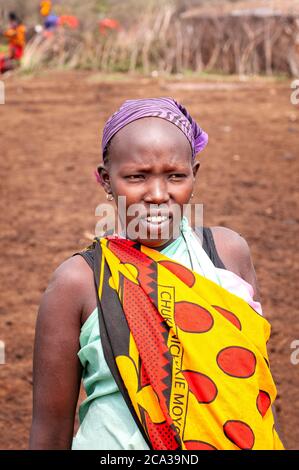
164, 108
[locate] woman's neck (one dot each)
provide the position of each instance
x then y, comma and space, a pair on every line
161, 247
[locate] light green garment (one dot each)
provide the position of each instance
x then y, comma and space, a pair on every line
105, 420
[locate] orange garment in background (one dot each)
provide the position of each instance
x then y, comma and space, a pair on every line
17, 40
108, 24
45, 7
68, 20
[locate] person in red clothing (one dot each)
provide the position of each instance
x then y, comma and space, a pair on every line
16, 36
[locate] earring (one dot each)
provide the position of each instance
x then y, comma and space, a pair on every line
109, 196
192, 195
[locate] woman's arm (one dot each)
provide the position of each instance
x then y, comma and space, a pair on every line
56, 367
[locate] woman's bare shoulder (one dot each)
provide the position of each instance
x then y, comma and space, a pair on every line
230, 240
69, 285
71, 272
235, 253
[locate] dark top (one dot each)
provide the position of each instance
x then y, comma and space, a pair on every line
208, 245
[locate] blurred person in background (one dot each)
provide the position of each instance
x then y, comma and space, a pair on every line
49, 18
16, 36
52, 21
45, 7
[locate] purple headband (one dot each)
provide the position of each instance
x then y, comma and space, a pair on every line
164, 108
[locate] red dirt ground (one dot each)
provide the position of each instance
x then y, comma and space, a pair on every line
50, 143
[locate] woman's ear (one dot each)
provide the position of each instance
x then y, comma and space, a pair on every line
104, 178
195, 168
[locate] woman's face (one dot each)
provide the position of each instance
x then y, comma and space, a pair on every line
149, 162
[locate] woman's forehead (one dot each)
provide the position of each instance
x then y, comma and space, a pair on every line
150, 134
158, 163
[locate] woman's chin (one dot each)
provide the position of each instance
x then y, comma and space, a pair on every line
154, 235
153, 243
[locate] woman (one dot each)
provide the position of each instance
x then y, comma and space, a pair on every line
172, 340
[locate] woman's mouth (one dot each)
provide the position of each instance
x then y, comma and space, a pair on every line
157, 219
155, 226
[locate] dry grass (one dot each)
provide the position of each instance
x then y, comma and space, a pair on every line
165, 41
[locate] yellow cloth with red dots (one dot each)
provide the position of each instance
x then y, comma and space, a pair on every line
189, 357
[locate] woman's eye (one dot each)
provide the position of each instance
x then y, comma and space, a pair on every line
133, 177
177, 176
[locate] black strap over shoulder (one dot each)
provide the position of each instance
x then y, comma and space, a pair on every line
88, 255
210, 248
208, 245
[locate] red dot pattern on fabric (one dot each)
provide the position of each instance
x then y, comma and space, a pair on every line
181, 272
229, 316
149, 333
144, 378
237, 362
198, 445
159, 433
201, 386
263, 402
192, 318
126, 251
240, 434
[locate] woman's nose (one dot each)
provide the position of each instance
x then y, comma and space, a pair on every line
156, 191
